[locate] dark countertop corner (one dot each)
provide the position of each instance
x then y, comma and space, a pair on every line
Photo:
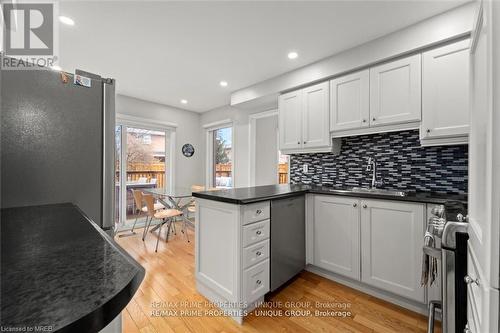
59, 269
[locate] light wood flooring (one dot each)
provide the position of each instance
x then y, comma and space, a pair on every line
170, 278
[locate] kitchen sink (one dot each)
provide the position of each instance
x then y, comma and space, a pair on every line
379, 191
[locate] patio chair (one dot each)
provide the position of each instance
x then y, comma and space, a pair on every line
139, 209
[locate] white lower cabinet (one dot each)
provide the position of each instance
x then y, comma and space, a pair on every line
232, 249
391, 251
336, 235
378, 242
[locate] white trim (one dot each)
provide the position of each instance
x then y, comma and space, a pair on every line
125, 119
170, 145
209, 152
218, 124
251, 139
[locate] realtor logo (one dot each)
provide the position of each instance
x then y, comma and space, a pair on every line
29, 35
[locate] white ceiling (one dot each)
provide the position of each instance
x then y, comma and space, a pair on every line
168, 51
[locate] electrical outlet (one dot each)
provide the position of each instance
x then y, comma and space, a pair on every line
305, 168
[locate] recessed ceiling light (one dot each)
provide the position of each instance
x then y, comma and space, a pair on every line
56, 68
293, 55
223, 83
183, 101
66, 20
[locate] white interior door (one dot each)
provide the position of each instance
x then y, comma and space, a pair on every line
264, 148
484, 173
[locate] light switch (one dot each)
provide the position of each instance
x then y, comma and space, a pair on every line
305, 168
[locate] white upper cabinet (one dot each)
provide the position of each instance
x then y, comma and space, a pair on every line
304, 118
315, 113
290, 120
350, 101
391, 252
395, 92
445, 91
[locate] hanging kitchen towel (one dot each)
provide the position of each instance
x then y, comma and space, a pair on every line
427, 262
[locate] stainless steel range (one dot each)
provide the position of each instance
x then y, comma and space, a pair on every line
448, 226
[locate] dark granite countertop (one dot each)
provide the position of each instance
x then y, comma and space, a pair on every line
59, 269
246, 195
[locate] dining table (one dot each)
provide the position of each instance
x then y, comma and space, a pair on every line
173, 198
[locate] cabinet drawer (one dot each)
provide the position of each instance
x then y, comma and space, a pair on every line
255, 253
255, 232
256, 212
256, 281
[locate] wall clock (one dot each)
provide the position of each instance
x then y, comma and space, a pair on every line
188, 150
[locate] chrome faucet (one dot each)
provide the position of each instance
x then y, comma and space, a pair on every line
372, 166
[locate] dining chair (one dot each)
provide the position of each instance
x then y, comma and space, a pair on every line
192, 206
164, 215
139, 210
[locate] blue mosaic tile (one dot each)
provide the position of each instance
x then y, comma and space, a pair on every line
402, 164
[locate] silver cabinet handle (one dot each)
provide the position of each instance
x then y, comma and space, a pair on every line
355, 205
258, 282
258, 211
470, 280
258, 232
258, 253
428, 130
364, 120
374, 119
298, 142
305, 142
365, 206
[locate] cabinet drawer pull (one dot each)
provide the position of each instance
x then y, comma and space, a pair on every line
355, 205
365, 206
364, 120
258, 232
258, 212
258, 282
374, 119
298, 142
470, 280
428, 130
258, 253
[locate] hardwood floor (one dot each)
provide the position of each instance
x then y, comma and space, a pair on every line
170, 279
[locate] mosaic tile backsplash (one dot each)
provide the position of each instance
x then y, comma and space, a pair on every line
401, 162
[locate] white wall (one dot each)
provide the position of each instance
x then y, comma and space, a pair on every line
430, 32
188, 171
241, 144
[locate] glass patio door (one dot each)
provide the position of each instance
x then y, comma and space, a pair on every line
141, 163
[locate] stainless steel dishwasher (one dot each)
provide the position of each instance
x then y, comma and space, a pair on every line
288, 239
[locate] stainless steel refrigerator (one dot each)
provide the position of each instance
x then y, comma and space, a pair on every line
57, 141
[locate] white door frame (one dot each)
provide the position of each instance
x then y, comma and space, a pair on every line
252, 139
209, 151
170, 144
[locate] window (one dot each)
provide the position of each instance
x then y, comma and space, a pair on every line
283, 168
222, 167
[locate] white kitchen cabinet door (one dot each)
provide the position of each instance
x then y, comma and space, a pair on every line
290, 120
395, 92
336, 235
316, 116
445, 91
391, 252
350, 101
